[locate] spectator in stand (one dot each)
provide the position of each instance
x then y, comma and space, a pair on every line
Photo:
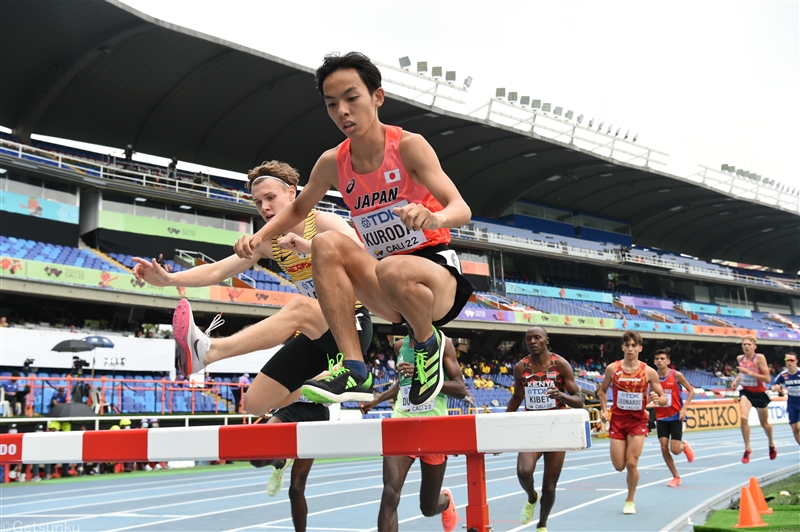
479, 383
163, 263
468, 373
390, 364
11, 387
128, 163
3, 322
488, 384
172, 169
244, 382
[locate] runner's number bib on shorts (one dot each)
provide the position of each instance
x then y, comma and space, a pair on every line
406, 405
629, 400
536, 398
383, 232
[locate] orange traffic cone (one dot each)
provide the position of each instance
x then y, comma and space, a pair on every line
748, 513
758, 497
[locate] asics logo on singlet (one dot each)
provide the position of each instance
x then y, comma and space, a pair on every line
392, 176
350, 186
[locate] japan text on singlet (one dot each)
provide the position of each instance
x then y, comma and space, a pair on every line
298, 267
629, 390
672, 390
402, 405
372, 197
750, 383
537, 383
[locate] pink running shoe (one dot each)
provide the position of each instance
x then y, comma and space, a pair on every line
192, 343
450, 514
687, 450
674, 483
746, 457
773, 453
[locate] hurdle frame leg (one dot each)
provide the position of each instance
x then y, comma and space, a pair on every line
477, 506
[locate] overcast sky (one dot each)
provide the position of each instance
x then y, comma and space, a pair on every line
706, 82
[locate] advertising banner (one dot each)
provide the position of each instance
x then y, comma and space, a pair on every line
16, 203
142, 225
246, 295
13, 267
557, 293
724, 414
640, 302
779, 335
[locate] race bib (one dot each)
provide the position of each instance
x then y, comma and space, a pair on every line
629, 400
405, 403
668, 394
749, 380
384, 234
536, 398
306, 287
794, 391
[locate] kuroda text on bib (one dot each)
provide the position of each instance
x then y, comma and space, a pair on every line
383, 233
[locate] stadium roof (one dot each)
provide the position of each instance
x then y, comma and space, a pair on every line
101, 72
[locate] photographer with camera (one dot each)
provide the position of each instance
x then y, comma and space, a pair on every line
80, 389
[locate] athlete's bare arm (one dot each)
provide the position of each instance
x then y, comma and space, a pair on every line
322, 177
423, 165
656, 391
689, 388
602, 392
204, 275
763, 369
519, 389
738, 378
573, 397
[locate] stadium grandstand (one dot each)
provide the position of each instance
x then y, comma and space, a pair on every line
585, 244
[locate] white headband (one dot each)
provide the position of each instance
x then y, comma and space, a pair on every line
278, 179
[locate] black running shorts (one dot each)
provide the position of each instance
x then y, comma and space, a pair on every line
302, 358
670, 429
301, 411
757, 399
464, 288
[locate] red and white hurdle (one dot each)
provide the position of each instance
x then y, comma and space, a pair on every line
472, 435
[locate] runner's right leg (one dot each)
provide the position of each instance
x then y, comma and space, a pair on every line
299, 314
395, 469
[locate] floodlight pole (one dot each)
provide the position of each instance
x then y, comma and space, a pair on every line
431, 91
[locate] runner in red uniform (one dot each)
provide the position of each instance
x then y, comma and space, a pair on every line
754, 378
670, 418
403, 204
542, 381
630, 378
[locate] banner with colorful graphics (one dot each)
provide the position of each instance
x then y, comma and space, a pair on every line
641, 302
229, 294
724, 414
16, 203
59, 273
142, 225
557, 293
779, 335
714, 309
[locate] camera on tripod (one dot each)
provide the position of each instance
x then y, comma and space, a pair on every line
77, 365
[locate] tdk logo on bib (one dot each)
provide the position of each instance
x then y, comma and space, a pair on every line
392, 175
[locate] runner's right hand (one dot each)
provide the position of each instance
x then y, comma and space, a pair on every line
604, 416
150, 272
246, 245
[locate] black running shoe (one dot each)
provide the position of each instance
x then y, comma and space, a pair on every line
341, 386
429, 372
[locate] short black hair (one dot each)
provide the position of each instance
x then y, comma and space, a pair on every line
359, 62
662, 352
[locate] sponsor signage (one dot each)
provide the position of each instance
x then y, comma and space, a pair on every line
724, 414
142, 225
16, 203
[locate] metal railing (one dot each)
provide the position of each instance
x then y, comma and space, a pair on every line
190, 256
131, 173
